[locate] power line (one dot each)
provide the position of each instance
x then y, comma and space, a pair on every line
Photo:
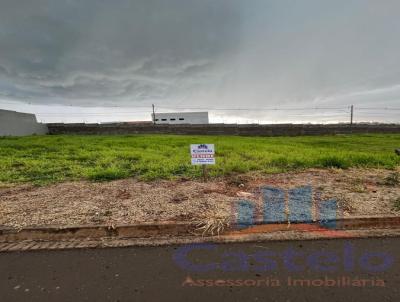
221, 108
250, 109
376, 108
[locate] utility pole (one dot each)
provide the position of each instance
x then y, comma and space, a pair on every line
154, 115
351, 114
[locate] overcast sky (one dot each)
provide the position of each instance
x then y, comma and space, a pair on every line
62, 57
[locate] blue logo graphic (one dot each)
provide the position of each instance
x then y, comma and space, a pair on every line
298, 209
298, 205
293, 260
202, 147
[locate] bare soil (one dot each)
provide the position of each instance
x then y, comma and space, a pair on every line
360, 192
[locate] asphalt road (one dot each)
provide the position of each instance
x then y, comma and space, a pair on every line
324, 270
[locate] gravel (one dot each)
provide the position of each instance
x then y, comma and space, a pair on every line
360, 192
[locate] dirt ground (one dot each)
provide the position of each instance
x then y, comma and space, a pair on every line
360, 192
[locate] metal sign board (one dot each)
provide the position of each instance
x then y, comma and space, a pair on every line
202, 154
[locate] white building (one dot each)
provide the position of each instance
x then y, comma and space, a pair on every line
181, 118
18, 124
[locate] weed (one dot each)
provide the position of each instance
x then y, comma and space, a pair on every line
396, 204
393, 179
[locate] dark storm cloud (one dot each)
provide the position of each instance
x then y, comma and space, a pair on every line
228, 53
137, 50
312, 51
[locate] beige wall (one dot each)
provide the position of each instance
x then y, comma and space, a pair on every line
14, 123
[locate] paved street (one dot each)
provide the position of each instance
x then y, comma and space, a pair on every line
324, 270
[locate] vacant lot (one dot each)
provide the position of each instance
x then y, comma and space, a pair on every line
359, 192
50, 159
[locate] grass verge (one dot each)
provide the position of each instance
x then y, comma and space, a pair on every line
48, 159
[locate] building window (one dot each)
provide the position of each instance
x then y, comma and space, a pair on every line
164, 119
172, 119
156, 119
181, 119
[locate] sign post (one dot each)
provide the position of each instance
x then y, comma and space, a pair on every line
204, 155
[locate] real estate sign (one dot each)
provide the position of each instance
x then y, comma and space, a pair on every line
203, 154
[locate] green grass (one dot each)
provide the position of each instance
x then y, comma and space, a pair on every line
47, 159
396, 205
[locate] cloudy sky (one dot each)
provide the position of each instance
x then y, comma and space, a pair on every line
101, 60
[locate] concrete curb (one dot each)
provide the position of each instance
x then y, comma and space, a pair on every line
72, 244
350, 223
143, 230
182, 229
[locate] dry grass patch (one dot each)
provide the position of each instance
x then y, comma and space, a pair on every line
209, 205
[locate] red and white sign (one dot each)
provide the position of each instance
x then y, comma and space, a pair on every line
203, 154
